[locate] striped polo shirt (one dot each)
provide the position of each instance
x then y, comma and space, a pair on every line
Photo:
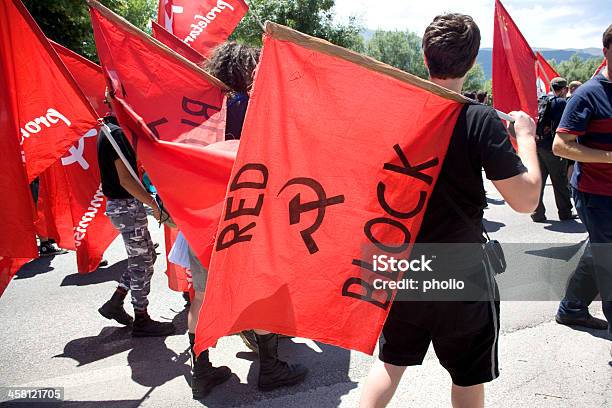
588, 115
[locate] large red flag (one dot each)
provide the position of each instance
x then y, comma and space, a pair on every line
182, 106
201, 24
171, 41
178, 100
544, 74
514, 79
331, 167
50, 112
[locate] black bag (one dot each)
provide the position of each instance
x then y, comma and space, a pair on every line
544, 125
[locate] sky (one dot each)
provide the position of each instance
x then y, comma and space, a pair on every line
557, 24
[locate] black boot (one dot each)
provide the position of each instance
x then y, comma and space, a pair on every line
144, 326
274, 373
205, 377
113, 309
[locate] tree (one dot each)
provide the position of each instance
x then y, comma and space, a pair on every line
67, 21
313, 17
576, 68
401, 49
475, 80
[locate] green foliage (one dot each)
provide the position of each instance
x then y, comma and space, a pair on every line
313, 17
475, 80
576, 68
401, 49
67, 21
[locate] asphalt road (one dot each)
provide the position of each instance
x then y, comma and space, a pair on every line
52, 336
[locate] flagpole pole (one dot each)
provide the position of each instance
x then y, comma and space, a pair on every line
107, 132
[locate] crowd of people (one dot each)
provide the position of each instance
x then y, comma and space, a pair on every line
571, 142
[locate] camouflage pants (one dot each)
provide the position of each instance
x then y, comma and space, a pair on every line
130, 218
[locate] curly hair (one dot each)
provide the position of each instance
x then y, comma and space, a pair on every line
233, 64
450, 45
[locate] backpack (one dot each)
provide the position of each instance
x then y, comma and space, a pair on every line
544, 125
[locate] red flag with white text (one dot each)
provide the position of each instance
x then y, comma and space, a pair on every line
50, 111
201, 24
514, 78
171, 41
330, 168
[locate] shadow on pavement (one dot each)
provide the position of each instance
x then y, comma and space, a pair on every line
35, 267
562, 253
327, 367
108, 274
569, 227
492, 226
601, 334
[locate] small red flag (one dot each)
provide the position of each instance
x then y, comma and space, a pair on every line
289, 250
171, 41
544, 74
50, 111
202, 24
514, 79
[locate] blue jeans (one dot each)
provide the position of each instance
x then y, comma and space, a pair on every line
594, 272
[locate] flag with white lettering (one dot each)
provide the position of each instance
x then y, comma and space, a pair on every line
201, 24
50, 110
344, 158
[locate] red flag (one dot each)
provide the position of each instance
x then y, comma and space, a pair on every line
191, 179
8, 268
87, 74
183, 108
601, 66
54, 211
328, 170
79, 172
544, 74
50, 112
177, 100
171, 41
514, 79
202, 24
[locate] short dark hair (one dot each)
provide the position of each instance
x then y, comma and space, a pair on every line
233, 64
607, 37
450, 44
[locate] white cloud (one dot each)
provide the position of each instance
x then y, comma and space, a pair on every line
549, 23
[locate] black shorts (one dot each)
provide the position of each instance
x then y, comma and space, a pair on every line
464, 336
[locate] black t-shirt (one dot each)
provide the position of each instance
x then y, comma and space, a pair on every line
106, 159
479, 140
